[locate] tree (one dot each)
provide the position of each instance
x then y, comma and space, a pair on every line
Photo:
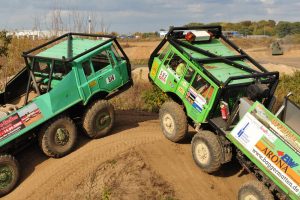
193, 24
283, 28
295, 28
5, 40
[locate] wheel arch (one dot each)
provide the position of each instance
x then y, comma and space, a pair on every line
98, 95
178, 100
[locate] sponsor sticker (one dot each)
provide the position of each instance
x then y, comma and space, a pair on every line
269, 150
110, 78
181, 90
20, 120
92, 83
171, 84
195, 99
163, 76
279, 163
154, 69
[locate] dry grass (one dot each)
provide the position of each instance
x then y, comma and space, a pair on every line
247, 43
132, 99
288, 83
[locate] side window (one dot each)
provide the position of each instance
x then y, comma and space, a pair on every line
202, 87
168, 59
42, 67
164, 53
117, 53
112, 61
60, 69
100, 61
87, 68
177, 64
189, 74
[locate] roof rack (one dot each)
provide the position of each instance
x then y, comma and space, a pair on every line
176, 33
69, 36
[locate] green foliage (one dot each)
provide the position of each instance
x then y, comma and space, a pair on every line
194, 24
5, 40
106, 194
154, 98
289, 83
283, 29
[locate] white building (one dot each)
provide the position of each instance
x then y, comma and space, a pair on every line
162, 33
35, 34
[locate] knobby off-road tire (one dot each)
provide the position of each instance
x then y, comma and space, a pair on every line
9, 174
254, 190
99, 119
173, 121
207, 151
58, 137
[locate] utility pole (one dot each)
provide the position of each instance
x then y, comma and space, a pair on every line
90, 21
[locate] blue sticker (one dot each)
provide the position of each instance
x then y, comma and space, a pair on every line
197, 107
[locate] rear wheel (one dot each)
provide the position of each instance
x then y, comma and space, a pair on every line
254, 190
9, 174
173, 121
99, 119
58, 137
207, 151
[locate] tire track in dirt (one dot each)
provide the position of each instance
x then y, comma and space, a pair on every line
56, 178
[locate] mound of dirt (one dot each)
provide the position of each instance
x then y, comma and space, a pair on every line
134, 162
126, 176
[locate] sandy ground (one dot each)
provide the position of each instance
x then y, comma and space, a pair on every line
286, 63
134, 162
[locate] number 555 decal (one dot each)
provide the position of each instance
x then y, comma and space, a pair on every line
163, 76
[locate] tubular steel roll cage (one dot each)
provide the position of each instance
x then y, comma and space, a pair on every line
176, 33
27, 55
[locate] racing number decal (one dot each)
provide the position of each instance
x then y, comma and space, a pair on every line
110, 78
163, 76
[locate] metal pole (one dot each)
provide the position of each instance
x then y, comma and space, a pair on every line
90, 25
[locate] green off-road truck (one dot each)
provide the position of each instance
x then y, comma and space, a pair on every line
70, 77
225, 95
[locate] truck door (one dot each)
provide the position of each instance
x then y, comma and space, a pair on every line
107, 71
101, 73
197, 92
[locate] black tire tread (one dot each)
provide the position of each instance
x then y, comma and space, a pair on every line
88, 116
255, 185
180, 119
43, 138
16, 166
214, 146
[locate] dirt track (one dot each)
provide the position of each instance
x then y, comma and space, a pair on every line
135, 159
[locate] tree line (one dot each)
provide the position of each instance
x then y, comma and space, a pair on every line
262, 27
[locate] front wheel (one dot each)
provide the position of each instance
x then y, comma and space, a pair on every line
9, 174
207, 151
99, 119
58, 137
254, 190
173, 121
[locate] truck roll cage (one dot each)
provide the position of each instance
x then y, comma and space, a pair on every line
262, 75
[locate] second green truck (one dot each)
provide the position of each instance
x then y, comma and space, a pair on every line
214, 85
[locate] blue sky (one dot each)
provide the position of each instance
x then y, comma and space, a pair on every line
128, 16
